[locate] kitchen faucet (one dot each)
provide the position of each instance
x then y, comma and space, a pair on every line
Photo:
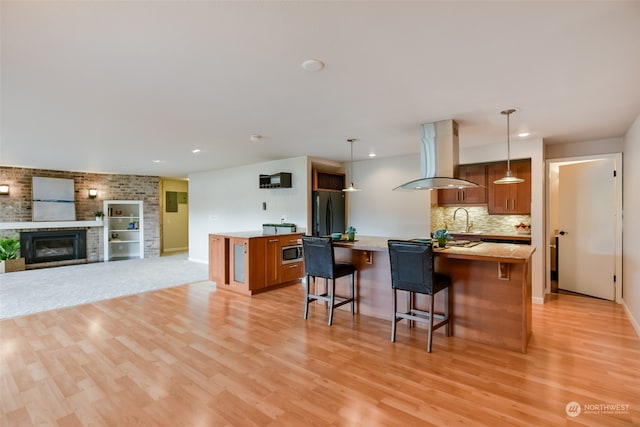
468, 226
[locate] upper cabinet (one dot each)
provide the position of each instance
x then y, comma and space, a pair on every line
327, 181
509, 199
467, 196
276, 180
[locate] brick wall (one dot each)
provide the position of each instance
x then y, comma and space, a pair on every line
17, 206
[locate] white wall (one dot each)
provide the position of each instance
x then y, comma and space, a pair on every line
230, 200
584, 148
631, 225
379, 211
534, 149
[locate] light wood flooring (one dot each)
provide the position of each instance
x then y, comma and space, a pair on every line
187, 356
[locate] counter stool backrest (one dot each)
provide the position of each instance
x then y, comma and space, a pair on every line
411, 266
319, 259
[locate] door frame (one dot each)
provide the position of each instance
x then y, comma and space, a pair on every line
617, 158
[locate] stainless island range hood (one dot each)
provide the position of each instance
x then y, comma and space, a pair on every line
438, 158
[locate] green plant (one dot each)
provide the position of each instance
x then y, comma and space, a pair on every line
442, 236
9, 249
351, 233
99, 214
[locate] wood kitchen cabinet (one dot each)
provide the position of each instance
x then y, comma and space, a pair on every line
218, 265
466, 196
328, 181
509, 199
251, 264
294, 270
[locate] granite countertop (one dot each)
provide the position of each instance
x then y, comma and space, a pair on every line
252, 234
502, 252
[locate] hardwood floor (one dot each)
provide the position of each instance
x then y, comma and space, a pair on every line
186, 356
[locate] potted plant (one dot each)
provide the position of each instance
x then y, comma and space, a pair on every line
351, 233
99, 215
9, 260
442, 236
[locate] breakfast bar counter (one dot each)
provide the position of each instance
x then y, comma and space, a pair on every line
490, 298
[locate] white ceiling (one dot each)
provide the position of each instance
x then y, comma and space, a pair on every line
111, 86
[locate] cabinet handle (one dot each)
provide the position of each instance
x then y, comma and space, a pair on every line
214, 238
462, 193
506, 204
245, 247
273, 240
513, 204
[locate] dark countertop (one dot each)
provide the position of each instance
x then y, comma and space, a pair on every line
472, 235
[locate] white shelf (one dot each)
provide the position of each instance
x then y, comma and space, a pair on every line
129, 242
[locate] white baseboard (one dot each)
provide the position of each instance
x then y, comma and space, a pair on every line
633, 320
537, 300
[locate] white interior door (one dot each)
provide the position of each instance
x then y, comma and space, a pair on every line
587, 224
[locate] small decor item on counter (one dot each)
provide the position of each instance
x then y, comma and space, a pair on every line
99, 215
351, 233
336, 236
442, 236
523, 228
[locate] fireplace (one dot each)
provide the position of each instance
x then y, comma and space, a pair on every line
51, 248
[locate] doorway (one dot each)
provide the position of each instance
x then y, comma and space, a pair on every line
584, 225
174, 216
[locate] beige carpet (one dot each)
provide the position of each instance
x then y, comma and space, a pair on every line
32, 291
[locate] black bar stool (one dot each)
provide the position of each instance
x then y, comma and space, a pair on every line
412, 271
319, 261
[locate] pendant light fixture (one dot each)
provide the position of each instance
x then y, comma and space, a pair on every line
351, 187
508, 178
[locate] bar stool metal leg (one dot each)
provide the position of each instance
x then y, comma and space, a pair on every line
394, 319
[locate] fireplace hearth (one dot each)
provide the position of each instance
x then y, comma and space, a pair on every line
51, 248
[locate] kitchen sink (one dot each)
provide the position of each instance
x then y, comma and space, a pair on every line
280, 228
462, 243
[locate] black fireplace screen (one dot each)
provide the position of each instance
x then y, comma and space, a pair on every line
48, 246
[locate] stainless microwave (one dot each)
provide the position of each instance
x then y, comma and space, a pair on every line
291, 254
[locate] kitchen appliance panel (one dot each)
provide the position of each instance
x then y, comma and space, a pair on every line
328, 215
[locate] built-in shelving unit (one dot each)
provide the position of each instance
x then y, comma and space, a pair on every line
276, 180
123, 230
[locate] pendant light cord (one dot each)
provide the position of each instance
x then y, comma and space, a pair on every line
508, 143
351, 141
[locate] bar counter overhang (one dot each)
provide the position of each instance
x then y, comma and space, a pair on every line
490, 298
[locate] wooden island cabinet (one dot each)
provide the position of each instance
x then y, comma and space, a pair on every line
249, 262
490, 297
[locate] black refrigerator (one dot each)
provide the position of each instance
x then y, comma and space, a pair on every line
328, 212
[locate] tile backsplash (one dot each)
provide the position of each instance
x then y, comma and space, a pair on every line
479, 219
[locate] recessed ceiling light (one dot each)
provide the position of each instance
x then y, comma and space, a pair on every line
158, 161
195, 150
312, 65
372, 154
255, 137
523, 134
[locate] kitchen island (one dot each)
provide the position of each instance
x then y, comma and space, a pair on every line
490, 298
249, 262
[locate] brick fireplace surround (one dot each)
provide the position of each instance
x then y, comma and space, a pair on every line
17, 206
